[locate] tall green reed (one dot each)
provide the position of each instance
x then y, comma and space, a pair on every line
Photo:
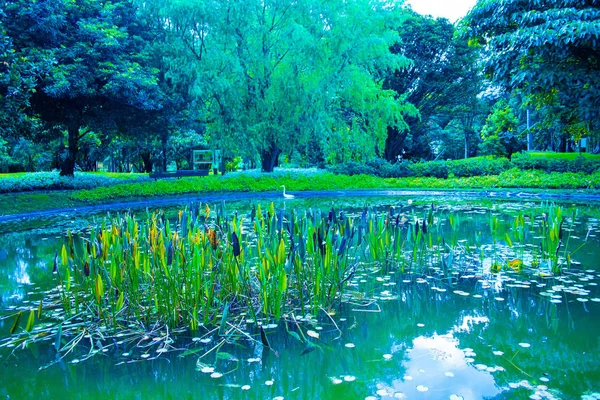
190, 270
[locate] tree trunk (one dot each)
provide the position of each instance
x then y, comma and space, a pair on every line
529, 134
164, 152
67, 167
147, 161
269, 158
564, 139
393, 144
466, 143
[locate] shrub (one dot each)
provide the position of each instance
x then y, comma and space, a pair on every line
526, 161
492, 145
435, 169
478, 166
376, 167
401, 169
353, 168
11, 183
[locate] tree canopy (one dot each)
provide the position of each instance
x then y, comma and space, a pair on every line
138, 84
441, 79
549, 51
86, 61
270, 76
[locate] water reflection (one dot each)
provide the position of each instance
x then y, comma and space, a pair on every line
436, 363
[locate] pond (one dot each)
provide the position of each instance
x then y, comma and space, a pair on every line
470, 298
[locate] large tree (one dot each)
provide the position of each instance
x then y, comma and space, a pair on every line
17, 82
89, 60
271, 76
442, 78
548, 51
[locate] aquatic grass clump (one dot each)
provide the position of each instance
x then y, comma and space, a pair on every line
207, 264
153, 276
190, 271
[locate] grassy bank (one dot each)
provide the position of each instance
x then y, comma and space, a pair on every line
255, 182
294, 180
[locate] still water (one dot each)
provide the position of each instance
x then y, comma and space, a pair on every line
480, 335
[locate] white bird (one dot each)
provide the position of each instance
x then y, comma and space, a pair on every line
286, 196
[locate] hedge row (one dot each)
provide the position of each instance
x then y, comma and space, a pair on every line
24, 182
478, 166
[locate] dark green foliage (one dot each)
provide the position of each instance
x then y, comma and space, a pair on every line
354, 168
89, 63
385, 169
478, 166
134, 85
434, 169
376, 166
547, 50
499, 134
434, 82
17, 81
